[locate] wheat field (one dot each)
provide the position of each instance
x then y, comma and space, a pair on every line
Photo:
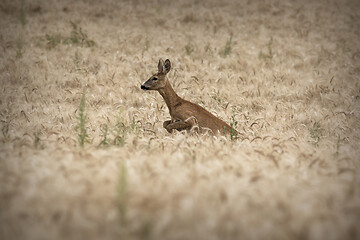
83, 151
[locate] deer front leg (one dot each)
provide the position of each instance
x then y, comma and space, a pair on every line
179, 125
166, 123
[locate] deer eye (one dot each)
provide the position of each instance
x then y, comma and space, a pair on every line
155, 78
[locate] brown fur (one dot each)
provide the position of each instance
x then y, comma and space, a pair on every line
184, 114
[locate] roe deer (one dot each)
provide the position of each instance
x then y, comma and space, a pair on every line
184, 114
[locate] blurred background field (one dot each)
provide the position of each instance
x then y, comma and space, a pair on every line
83, 154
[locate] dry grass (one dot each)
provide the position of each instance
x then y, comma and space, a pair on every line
288, 74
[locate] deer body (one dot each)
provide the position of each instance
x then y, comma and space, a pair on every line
184, 114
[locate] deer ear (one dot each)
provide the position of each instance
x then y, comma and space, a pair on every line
161, 65
167, 66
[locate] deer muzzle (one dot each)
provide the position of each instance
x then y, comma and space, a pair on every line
143, 87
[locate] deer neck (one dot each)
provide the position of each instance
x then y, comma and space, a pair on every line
170, 96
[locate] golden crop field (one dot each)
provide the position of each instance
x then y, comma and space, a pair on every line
83, 151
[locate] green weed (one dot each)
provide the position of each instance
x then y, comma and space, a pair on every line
120, 132
343, 45
147, 43
104, 142
134, 127
208, 49
77, 60
5, 130
216, 97
22, 16
37, 140
146, 228
189, 49
316, 132
228, 47
52, 41
120, 136
83, 137
269, 54
233, 124
338, 142
78, 37
19, 47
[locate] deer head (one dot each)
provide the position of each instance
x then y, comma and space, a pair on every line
158, 80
